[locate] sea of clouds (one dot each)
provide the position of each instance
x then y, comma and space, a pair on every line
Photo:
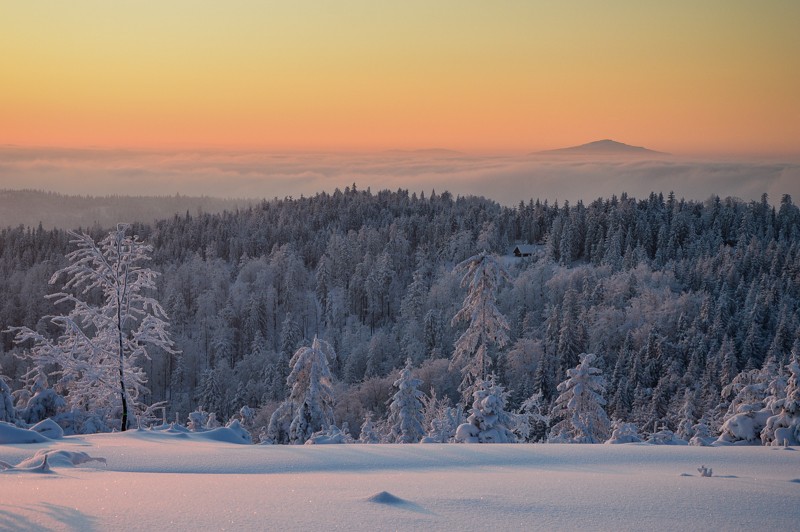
504, 178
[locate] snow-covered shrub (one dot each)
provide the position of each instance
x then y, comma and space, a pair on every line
580, 406
247, 416
92, 422
368, 434
212, 422
152, 415
783, 428
488, 421
624, 433
701, 435
198, 420
44, 404
757, 396
441, 419
665, 437
331, 435
442, 428
239, 431
744, 427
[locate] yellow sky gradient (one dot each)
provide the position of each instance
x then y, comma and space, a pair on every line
719, 76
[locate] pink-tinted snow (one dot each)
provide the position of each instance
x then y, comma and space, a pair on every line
158, 480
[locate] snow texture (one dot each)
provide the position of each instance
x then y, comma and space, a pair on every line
168, 478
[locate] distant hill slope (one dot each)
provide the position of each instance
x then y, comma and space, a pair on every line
602, 147
52, 210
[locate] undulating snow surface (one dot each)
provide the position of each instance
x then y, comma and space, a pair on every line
177, 481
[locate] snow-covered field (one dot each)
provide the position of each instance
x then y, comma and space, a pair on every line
157, 481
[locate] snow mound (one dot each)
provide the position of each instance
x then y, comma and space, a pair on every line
384, 497
13, 434
49, 428
389, 499
58, 458
233, 433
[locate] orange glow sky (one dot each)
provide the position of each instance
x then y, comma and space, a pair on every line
684, 77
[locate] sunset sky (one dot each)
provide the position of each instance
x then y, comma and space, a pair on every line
683, 77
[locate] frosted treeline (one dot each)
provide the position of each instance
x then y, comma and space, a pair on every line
689, 308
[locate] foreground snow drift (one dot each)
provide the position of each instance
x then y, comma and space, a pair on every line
154, 480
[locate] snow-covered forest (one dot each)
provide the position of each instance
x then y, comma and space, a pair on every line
690, 310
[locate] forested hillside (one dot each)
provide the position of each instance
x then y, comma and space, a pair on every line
676, 298
34, 207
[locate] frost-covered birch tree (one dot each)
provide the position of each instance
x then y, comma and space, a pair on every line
100, 351
580, 406
405, 410
487, 327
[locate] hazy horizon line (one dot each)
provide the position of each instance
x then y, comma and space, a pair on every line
534, 151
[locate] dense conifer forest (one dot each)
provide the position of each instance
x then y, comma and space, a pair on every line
683, 302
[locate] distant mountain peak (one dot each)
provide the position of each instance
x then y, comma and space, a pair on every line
602, 147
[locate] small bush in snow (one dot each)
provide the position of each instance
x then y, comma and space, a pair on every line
665, 437
624, 433
198, 420
328, 436
701, 435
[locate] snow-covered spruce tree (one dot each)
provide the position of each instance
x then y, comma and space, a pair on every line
580, 406
488, 421
405, 409
784, 427
368, 433
37, 401
624, 433
482, 275
309, 408
99, 354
